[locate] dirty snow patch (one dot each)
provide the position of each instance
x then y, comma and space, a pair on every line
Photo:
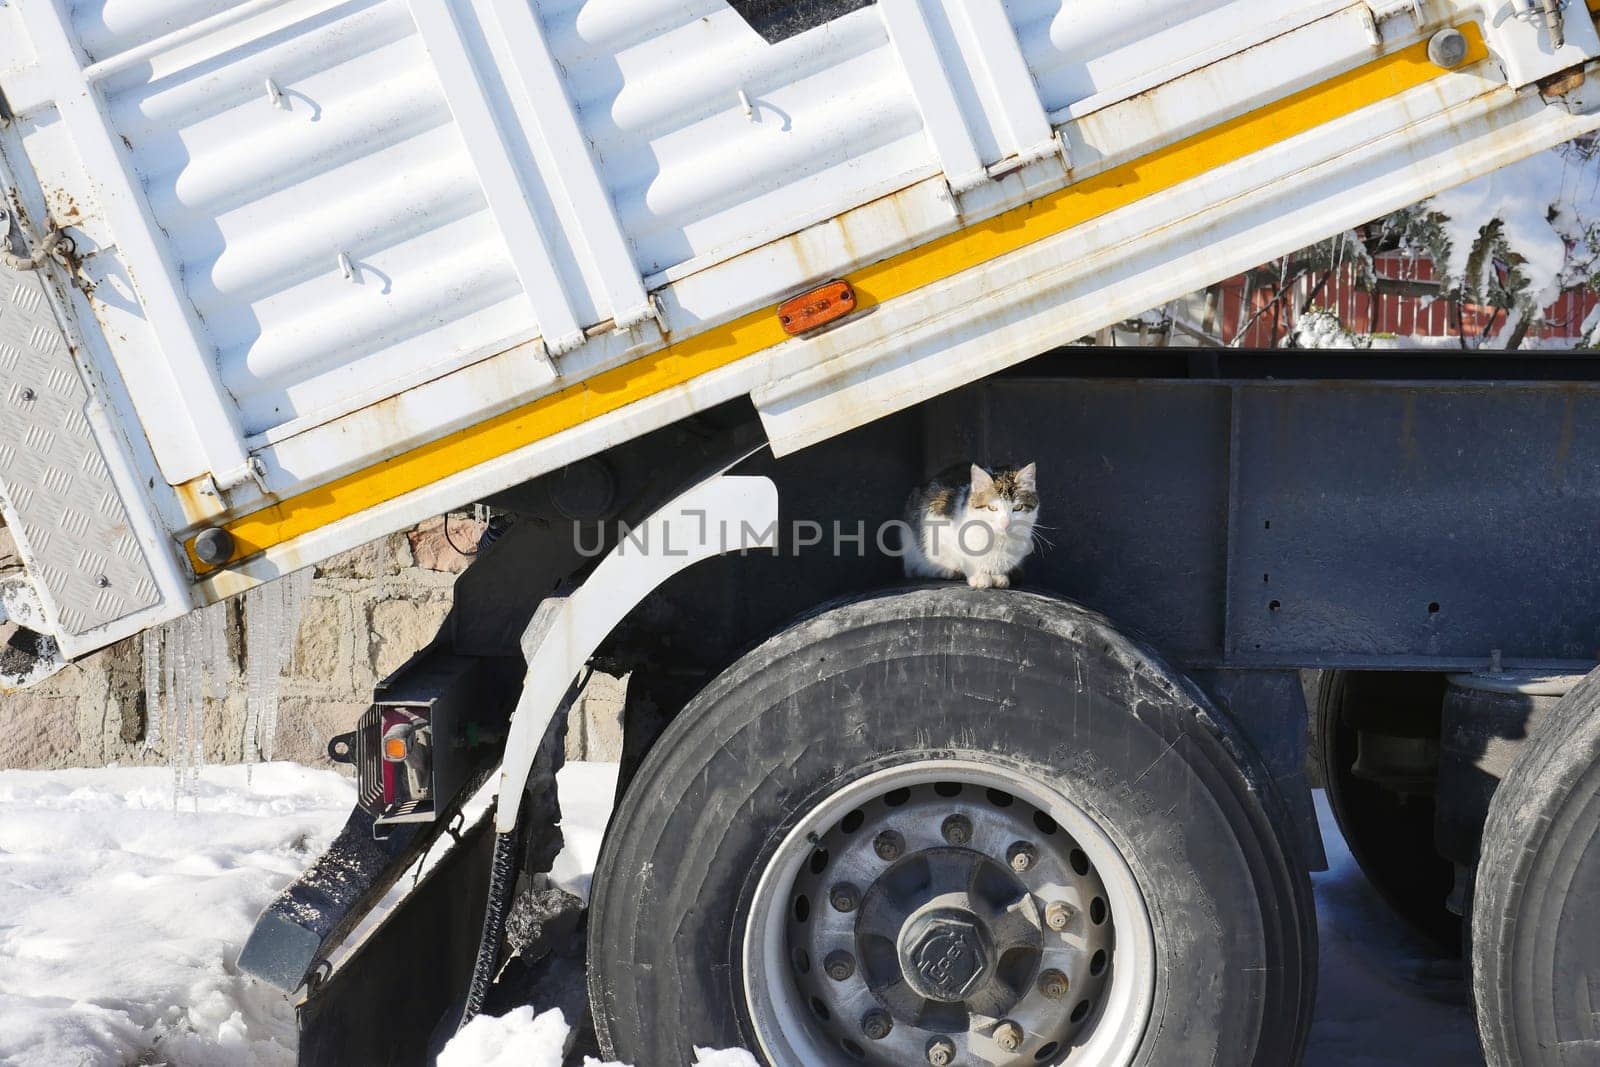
728, 1057
517, 1039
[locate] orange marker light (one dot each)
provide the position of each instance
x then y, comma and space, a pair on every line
817, 308
394, 748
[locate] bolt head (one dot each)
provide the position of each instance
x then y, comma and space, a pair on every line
1053, 984
214, 547
28, 396
1448, 49
1058, 914
889, 845
844, 897
103, 582
839, 965
1008, 1035
941, 1052
876, 1024
944, 956
1022, 856
957, 829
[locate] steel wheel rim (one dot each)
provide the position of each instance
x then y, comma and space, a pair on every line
787, 956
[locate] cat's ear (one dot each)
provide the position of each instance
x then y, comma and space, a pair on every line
981, 482
1027, 478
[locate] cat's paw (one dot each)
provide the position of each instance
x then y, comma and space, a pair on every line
1002, 581
980, 581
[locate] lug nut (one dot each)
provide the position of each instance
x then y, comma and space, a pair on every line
841, 965
1008, 1035
941, 1052
876, 1024
1052, 983
844, 897
1058, 914
889, 845
957, 829
1022, 856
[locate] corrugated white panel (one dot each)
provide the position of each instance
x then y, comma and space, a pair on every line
261, 193
1077, 51
105, 28
297, 142
656, 84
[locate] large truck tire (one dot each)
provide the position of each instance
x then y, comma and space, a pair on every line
1390, 832
942, 825
1536, 901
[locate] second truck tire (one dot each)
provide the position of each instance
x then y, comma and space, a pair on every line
1536, 901
941, 825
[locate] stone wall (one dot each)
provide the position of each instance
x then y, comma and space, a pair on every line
367, 612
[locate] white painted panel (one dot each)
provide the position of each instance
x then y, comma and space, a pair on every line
259, 197
106, 27
454, 38
1079, 52
656, 86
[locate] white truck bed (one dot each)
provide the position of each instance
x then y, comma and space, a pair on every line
332, 266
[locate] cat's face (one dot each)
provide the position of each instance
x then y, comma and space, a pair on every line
1006, 501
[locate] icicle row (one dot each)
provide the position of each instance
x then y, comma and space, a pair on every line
186, 665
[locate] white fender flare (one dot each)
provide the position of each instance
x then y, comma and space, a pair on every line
728, 513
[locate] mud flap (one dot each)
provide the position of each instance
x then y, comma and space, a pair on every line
397, 999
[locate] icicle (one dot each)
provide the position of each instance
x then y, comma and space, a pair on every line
271, 627
178, 749
169, 678
217, 673
152, 688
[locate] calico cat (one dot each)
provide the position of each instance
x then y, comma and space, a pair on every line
970, 523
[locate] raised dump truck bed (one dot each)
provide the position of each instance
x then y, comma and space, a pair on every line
287, 275
284, 276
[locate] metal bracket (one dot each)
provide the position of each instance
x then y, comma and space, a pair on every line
1534, 39
1375, 12
41, 249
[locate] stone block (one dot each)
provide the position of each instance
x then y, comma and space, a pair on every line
386, 556
305, 724
433, 551
38, 731
322, 650
398, 629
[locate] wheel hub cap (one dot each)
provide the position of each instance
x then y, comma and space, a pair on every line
941, 942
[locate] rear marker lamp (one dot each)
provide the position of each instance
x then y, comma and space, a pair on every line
813, 310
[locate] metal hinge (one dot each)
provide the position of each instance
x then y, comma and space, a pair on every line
1555, 20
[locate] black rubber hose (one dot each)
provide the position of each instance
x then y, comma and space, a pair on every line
502, 877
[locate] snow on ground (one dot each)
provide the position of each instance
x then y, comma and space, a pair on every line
120, 921
521, 1039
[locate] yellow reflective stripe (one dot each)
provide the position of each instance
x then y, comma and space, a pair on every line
934, 261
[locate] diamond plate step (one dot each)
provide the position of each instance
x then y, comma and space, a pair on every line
64, 509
